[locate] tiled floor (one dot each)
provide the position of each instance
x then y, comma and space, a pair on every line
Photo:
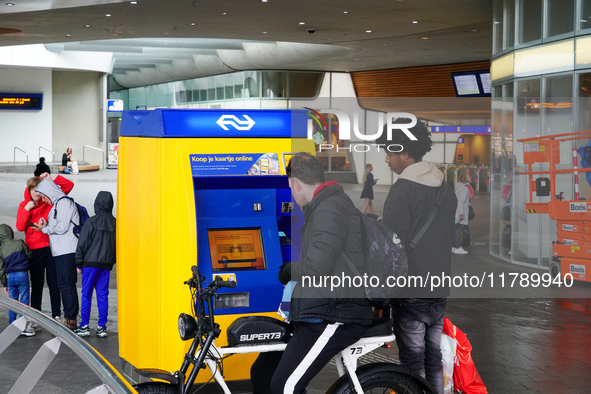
520, 345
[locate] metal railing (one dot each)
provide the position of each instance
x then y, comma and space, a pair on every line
14, 157
91, 147
112, 381
52, 156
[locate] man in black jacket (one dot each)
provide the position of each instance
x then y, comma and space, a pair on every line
95, 257
418, 313
325, 320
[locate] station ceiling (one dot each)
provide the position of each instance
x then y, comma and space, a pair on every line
156, 41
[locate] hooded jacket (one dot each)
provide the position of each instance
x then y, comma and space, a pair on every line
463, 195
14, 254
36, 239
61, 218
96, 245
332, 224
408, 206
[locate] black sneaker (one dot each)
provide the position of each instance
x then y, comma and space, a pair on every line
83, 331
101, 332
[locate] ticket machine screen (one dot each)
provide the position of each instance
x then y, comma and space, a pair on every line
236, 249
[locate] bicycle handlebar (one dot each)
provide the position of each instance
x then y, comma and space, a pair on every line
196, 280
218, 282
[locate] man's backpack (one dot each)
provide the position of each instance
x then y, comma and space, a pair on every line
82, 214
385, 256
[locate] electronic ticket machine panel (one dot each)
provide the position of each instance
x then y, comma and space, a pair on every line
205, 187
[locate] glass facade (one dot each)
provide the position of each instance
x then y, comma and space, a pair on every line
244, 89
547, 92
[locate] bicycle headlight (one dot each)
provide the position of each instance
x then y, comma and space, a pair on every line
187, 326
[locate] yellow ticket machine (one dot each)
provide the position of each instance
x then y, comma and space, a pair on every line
205, 187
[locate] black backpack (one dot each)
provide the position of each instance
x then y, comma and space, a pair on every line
385, 255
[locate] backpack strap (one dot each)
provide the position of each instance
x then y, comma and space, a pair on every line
441, 193
71, 199
350, 264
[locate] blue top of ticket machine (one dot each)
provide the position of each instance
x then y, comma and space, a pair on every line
247, 223
216, 123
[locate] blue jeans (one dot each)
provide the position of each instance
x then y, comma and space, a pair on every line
18, 289
95, 278
417, 325
66, 283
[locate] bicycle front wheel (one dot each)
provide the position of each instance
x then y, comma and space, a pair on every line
156, 388
381, 382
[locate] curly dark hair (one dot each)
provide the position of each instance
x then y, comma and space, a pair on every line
415, 149
306, 168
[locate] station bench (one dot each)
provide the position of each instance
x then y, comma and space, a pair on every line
89, 167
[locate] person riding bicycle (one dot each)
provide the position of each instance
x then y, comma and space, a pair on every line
325, 320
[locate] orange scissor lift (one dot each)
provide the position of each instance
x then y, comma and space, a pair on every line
571, 253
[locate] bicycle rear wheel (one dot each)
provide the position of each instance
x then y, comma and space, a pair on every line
156, 388
374, 382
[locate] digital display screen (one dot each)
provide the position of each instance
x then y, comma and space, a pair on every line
236, 249
466, 84
485, 82
30, 101
472, 83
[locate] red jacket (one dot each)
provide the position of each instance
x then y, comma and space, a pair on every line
36, 239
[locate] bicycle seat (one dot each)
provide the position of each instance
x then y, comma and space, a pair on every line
380, 327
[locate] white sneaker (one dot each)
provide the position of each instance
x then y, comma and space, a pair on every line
28, 331
34, 326
459, 250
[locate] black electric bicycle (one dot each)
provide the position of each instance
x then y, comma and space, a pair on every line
256, 334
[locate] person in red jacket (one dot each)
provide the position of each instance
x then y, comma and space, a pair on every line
30, 211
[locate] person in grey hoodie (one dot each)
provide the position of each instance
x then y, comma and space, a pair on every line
62, 218
462, 189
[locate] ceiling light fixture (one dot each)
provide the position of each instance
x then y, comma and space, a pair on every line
133, 2
87, 26
345, 12
474, 30
265, 31
415, 22
193, 24
9, 4
264, 1
302, 23
224, 13
425, 38
67, 35
368, 31
108, 15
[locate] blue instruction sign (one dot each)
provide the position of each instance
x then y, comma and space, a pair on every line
216, 164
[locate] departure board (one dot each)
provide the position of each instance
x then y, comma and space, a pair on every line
27, 101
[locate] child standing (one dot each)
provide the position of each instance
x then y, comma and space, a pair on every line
14, 267
367, 192
95, 257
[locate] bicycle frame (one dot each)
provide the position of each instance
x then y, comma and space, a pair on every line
204, 353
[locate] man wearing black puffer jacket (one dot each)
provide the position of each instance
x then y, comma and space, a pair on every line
325, 321
95, 257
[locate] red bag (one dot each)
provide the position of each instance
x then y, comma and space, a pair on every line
466, 378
